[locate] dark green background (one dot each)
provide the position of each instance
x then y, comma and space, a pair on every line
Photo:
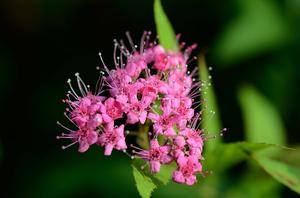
44, 42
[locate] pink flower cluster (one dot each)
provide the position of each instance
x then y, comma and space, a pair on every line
149, 85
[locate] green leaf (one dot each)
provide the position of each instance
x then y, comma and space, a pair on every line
210, 122
230, 154
143, 183
250, 147
283, 173
162, 177
167, 37
290, 156
258, 27
262, 121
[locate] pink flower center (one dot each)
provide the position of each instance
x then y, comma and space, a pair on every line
155, 154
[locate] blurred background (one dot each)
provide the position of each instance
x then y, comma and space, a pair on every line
44, 42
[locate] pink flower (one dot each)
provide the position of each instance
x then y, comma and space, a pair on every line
178, 146
86, 111
159, 85
179, 141
164, 61
156, 155
151, 53
111, 110
163, 124
148, 90
161, 62
194, 138
94, 121
118, 81
85, 138
149, 82
183, 112
136, 63
136, 113
187, 167
179, 83
112, 138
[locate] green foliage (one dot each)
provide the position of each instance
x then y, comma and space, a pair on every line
283, 173
230, 154
143, 183
210, 121
258, 28
166, 34
146, 182
262, 121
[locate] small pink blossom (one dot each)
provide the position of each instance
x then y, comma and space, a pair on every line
136, 63
86, 111
136, 113
156, 155
194, 138
111, 110
163, 124
187, 167
179, 83
85, 138
118, 81
112, 138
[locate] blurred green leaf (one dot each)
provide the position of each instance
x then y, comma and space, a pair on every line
210, 121
290, 156
143, 183
259, 27
230, 154
249, 147
283, 173
262, 121
167, 37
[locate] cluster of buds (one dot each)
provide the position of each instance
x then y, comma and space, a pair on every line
148, 86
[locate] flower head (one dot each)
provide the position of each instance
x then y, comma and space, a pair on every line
187, 167
112, 138
148, 85
156, 155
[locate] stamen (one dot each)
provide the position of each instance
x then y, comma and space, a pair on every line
64, 126
142, 43
81, 84
64, 147
70, 85
130, 41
